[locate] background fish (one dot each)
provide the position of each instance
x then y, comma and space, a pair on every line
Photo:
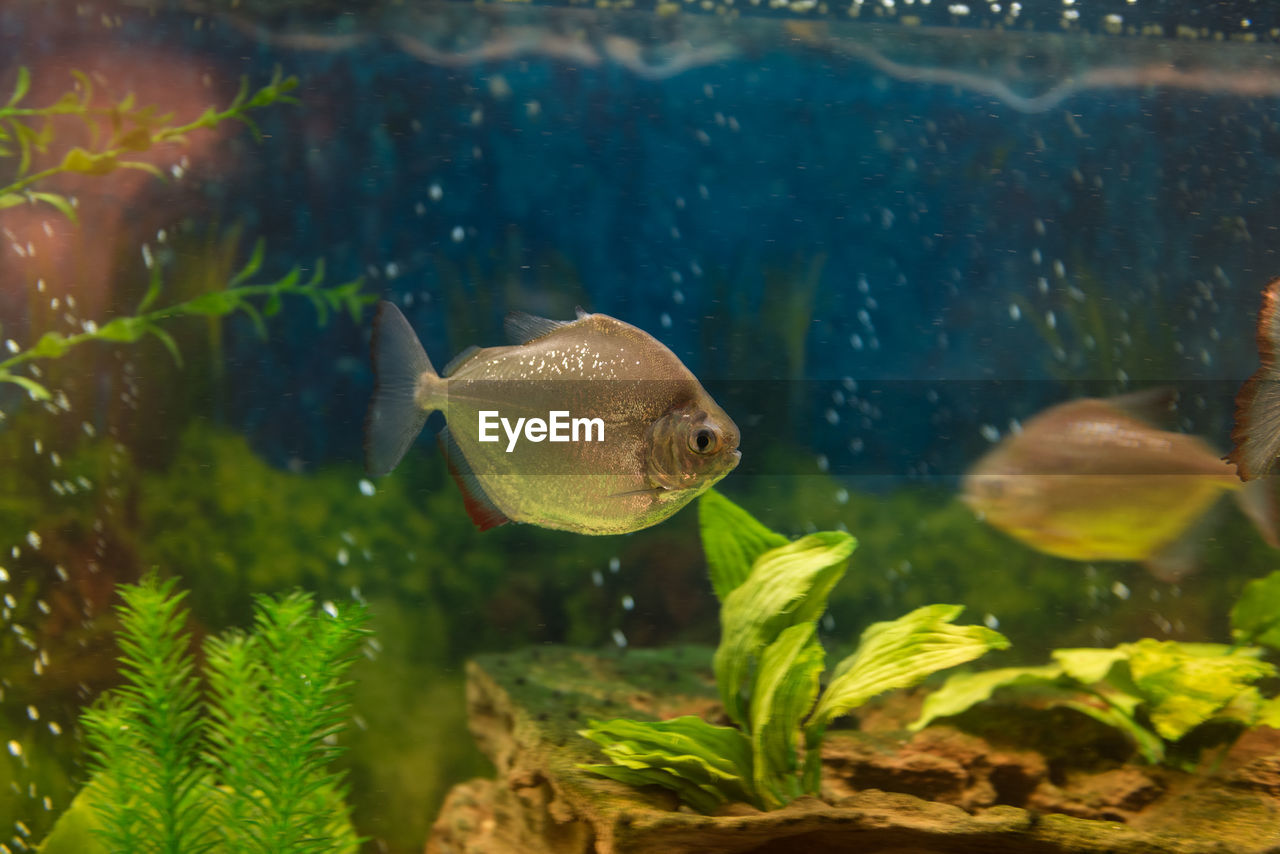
1257, 429
665, 439
1095, 480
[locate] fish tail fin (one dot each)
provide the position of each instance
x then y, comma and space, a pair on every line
396, 412
1257, 500
1256, 434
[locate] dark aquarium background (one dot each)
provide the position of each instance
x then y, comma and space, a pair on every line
882, 234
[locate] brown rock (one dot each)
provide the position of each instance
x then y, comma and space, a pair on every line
937, 792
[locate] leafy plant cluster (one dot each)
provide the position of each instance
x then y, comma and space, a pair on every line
768, 669
118, 132
1155, 692
245, 770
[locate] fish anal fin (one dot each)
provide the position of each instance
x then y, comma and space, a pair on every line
1256, 434
483, 512
459, 360
521, 328
1176, 560
1257, 500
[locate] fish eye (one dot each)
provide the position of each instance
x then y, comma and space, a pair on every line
704, 440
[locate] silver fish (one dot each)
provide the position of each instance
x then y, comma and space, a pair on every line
652, 438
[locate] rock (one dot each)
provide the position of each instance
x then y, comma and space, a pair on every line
940, 791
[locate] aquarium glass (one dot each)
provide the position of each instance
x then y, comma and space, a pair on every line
883, 235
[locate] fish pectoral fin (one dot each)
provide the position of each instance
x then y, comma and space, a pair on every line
656, 490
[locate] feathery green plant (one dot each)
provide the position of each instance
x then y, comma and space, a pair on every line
1155, 692
235, 297
248, 769
117, 132
768, 668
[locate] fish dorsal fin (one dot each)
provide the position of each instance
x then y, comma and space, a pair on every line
1155, 406
521, 328
459, 360
480, 507
581, 312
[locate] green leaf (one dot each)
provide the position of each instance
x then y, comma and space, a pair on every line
167, 340
696, 796
715, 759
1148, 743
33, 388
137, 139
62, 203
963, 691
211, 304
899, 654
123, 329
251, 266
732, 540
1088, 665
76, 830
1185, 685
141, 167
1256, 616
21, 87
11, 200
785, 689
50, 346
154, 286
787, 585
1269, 713
89, 163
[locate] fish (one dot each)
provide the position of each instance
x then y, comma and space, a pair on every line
1095, 479
1256, 435
651, 439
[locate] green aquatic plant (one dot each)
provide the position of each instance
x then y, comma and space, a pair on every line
118, 132
1155, 692
248, 769
768, 669
235, 297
